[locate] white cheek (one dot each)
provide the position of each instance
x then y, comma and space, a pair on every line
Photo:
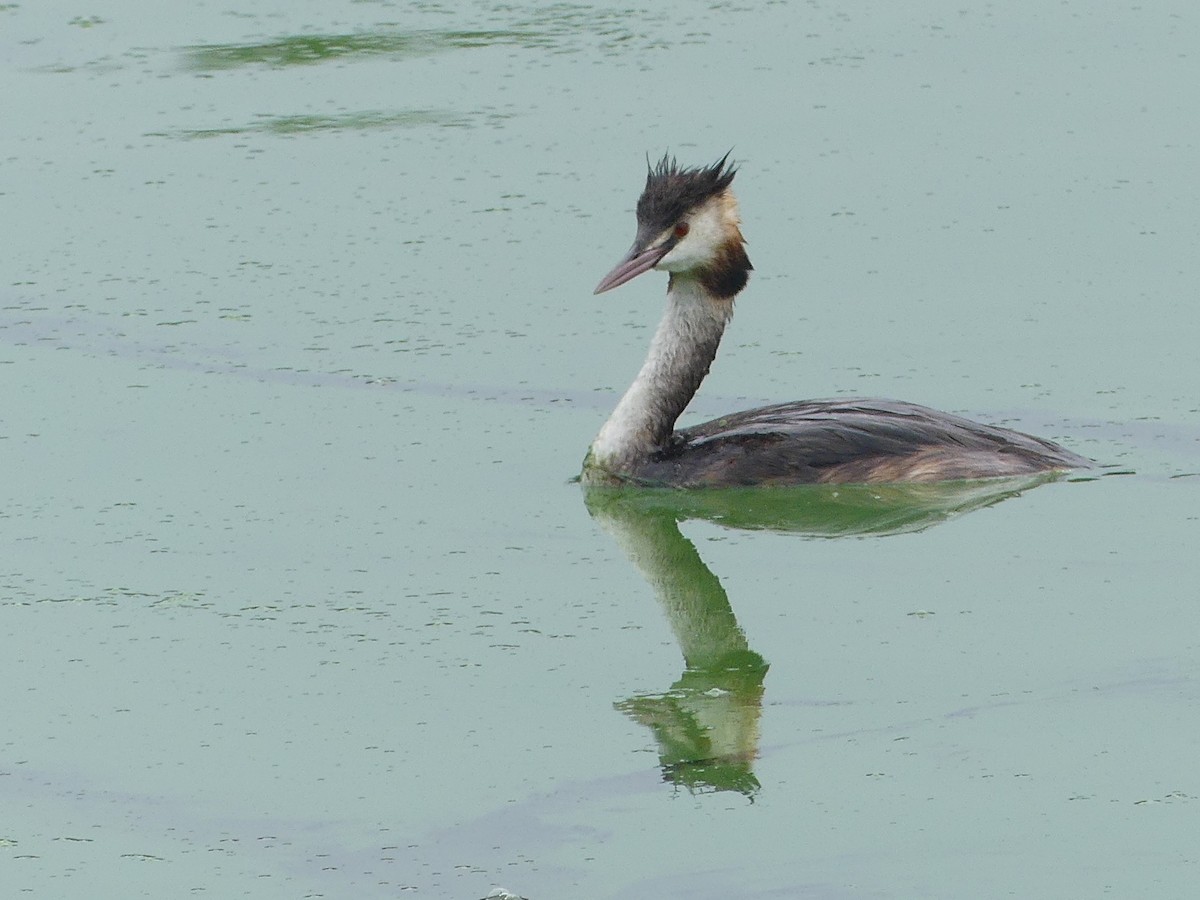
680, 259
699, 247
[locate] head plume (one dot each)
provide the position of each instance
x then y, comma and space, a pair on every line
671, 191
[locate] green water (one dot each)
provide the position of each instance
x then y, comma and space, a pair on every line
299, 356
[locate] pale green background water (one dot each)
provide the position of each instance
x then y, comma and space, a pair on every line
298, 353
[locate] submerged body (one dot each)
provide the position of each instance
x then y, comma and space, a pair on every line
836, 442
688, 226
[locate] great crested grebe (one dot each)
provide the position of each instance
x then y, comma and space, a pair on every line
688, 226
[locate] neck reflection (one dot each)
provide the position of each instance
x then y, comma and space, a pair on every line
706, 724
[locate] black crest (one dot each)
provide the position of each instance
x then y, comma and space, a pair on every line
671, 191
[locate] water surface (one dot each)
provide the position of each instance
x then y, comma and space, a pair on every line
300, 353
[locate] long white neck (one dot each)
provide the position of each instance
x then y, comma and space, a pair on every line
680, 355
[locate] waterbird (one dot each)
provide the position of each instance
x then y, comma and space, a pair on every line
688, 226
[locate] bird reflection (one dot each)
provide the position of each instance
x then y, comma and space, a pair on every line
706, 724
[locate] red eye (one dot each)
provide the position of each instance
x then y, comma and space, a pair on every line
681, 230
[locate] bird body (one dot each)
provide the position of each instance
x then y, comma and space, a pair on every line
688, 225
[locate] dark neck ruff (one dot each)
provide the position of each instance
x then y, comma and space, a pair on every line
726, 277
